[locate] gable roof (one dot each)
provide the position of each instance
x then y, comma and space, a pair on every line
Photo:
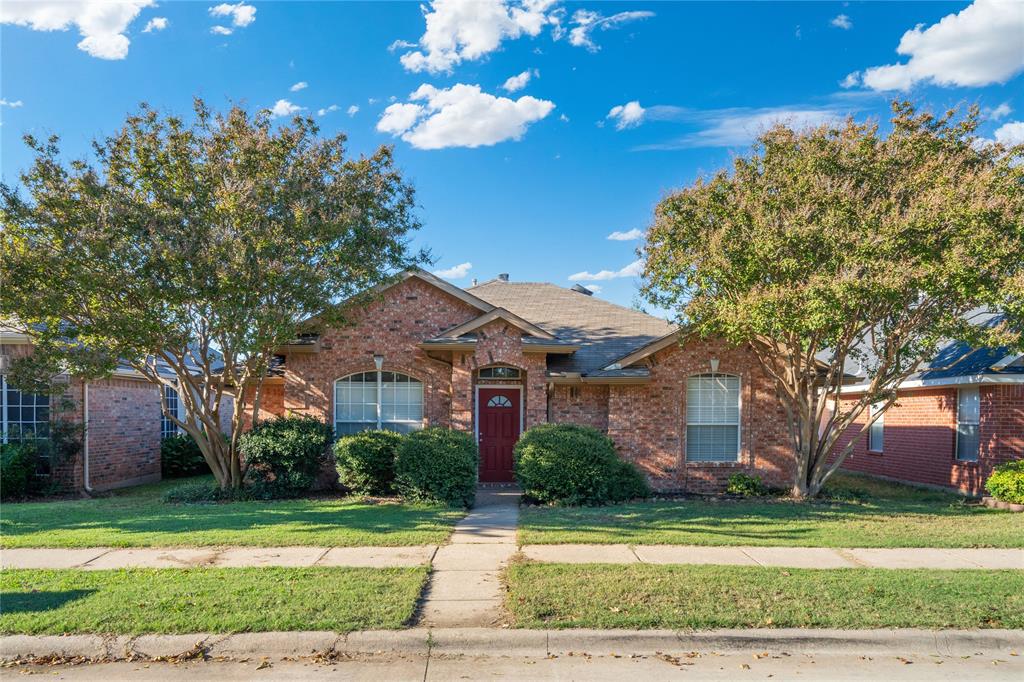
603, 331
498, 314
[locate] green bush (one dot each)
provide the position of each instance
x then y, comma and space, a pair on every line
437, 465
206, 493
180, 456
366, 461
285, 455
18, 463
574, 464
748, 486
1007, 482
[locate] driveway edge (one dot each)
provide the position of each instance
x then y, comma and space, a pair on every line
489, 641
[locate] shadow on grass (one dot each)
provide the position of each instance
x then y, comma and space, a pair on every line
38, 601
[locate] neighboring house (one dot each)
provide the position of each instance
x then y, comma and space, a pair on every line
503, 356
953, 422
121, 415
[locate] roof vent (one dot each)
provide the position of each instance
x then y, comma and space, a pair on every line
474, 281
503, 277
582, 289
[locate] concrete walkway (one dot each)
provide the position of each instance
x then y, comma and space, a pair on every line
465, 587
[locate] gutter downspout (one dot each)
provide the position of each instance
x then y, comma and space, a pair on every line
85, 436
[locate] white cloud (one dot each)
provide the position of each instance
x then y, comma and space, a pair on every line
241, 14
626, 236
458, 30
455, 272
628, 115
738, 127
594, 288
563, 118
156, 24
588, 21
461, 116
327, 110
851, 80
352, 110
13, 105
1011, 133
400, 45
634, 269
519, 81
978, 46
221, 30
842, 21
283, 107
301, 85
1002, 111
101, 23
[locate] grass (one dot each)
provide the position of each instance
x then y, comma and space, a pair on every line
137, 601
700, 597
861, 512
138, 517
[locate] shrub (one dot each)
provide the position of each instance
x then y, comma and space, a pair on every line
180, 456
366, 461
437, 465
1007, 482
17, 469
748, 486
285, 455
206, 493
574, 464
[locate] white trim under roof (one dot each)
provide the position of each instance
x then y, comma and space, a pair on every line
966, 380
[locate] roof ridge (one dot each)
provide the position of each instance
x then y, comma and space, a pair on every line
590, 298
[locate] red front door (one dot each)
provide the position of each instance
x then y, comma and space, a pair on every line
498, 430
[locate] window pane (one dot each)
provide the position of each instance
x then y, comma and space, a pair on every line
712, 443
713, 399
969, 409
967, 442
876, 435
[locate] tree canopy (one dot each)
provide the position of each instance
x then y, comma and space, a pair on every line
839, 247
199, 247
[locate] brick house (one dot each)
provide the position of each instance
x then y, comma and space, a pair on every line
121, 415
500, 357
956, 419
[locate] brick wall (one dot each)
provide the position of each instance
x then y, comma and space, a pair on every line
648, 423
581, 404
919, 438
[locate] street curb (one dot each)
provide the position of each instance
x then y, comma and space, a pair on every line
500, 642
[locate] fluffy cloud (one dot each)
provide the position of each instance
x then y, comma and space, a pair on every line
466, 30
594, 288
455, 272
1002, 111
1011, 133
352, 110
978, 46
842, 21
283, 107
737, 127
241, 15
852, 80
634, 269
327, 110
628, 115
13, 105
156, 24
519, 82
588, 21
301, 85
626, 236
101, 23
461, 116
221, 30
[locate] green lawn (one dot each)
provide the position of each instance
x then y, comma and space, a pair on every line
137, 517
862, 512
700, 597
177, 600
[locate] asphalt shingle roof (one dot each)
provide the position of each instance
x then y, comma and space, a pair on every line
604, 331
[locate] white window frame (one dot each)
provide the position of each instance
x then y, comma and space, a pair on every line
956, 446
379, 422
880, 425
4, 404
739, 420
167, 427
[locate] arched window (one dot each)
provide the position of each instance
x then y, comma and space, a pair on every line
377, 400
713, 418
499, 373
499, 401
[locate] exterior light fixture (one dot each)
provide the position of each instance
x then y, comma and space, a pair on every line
378, 361
714, 365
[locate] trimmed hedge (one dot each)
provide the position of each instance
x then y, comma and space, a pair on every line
437, 465
575, 465
17, 469
285, 455
180, 456
366, 461
1007, 482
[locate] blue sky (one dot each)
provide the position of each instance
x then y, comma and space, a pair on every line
621, 102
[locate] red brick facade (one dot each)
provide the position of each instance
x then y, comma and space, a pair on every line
919, 438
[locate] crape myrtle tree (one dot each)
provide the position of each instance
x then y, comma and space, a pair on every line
190, 251
838, 248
